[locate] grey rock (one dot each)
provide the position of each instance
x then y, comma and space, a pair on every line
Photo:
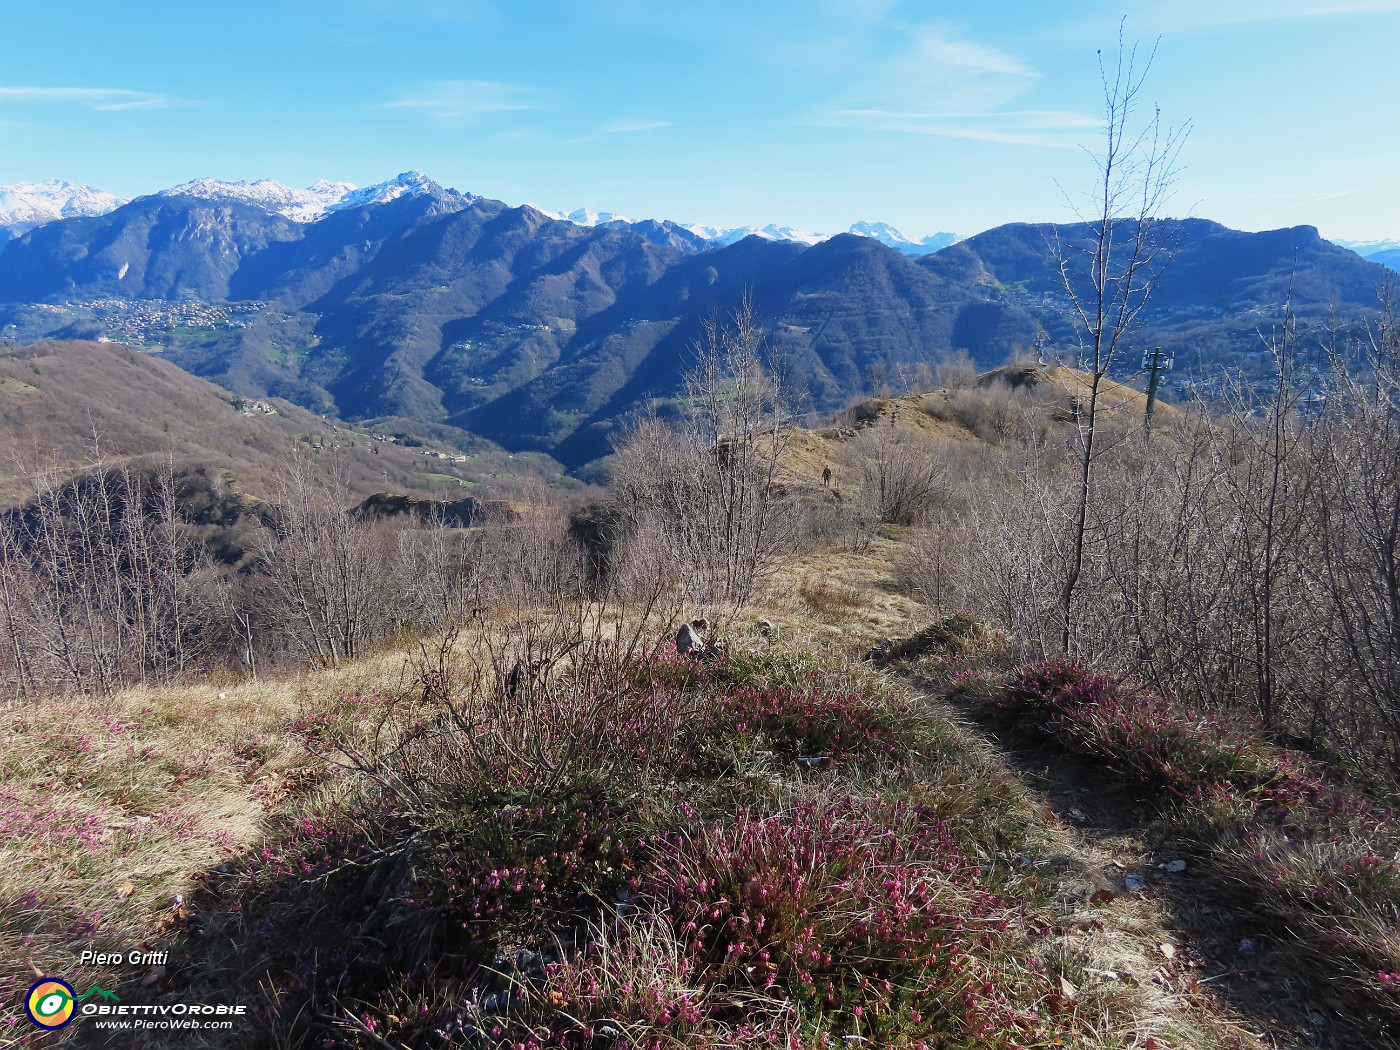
689, 642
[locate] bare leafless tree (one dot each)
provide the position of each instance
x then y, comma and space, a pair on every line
1356, 454
899, 469
1110, 263
328, 579
103, 586
707, 490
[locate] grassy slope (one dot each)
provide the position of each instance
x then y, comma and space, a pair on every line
68, 396
968, 415
196, 811
217, 822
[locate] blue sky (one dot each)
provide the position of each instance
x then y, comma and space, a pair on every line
932, 115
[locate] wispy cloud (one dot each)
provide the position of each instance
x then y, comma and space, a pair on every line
626, 126
1013, 127
1045, 128
1318, 199
468, 99
1033, 119
926, 79
936, 45
620, 126
104, 99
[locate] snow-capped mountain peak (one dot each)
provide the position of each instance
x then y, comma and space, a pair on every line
26, 205
718, 235
722, 235
893, 238
880, 231
587, 217
774, 232
331, 190
312, 203
296, 204
1366, 249
407, 184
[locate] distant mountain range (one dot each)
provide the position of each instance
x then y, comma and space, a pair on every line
1366, 249
721, 236
411, 302
1387, 253
27, 205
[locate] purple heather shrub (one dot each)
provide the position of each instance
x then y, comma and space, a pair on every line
1313, 843
868, 915
535, 859
316, 728
665, 667
27, 817
1158, 740
634, 981
1051, 685
811, 722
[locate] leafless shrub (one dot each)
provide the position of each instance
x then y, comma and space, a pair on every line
532, 561
997, 412
997, 548
101, 586
446, 572
526, 700
955, 372
328, 579
899, 469
705, 494
332, 584
1356, 453
830, 520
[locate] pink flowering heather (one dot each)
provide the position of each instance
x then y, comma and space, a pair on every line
43, 823
811, 722
868, 916
532, 861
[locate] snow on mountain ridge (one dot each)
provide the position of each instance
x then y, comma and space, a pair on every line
722, 236
893, 238
26, 205
406, 184
1366, 249
296, 204
880, 231
585, 217
316, 201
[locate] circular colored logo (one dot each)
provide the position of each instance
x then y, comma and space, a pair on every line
51, 1003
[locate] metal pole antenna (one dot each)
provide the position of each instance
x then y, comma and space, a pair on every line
1156, 362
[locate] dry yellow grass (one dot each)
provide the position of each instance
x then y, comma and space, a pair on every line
1053, 391
872, 604
112, 809
154, 789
